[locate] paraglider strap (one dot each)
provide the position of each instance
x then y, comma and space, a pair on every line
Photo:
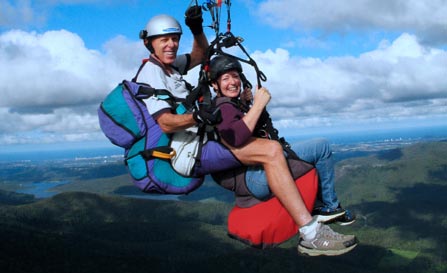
228, 40
162, 152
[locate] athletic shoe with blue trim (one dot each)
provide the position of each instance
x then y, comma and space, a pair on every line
327, 215
339, 215
346, 219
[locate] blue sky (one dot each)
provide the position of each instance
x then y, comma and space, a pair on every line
331, 65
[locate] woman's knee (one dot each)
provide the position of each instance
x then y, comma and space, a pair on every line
273, 150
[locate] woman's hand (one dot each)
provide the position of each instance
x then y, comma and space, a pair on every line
262, 97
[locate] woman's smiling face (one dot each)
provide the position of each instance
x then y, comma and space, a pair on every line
229, 83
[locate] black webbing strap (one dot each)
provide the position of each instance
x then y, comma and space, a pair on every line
134, 79
149, 91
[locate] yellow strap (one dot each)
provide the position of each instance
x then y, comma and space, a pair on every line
162, 155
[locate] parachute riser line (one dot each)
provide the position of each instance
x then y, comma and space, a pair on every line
228, 40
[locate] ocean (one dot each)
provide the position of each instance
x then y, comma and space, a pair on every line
86, 156
88, 150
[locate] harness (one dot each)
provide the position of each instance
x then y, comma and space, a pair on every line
178, 107
216, 47
259, 224
261, 126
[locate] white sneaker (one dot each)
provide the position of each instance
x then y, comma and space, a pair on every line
327, 242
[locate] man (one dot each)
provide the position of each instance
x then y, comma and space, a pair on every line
164, 70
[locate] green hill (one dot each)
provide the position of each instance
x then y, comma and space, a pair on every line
13, 198
397, 194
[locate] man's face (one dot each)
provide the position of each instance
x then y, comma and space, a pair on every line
165, 47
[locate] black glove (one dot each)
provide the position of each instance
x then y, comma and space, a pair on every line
192, 97
194, 20
208, 115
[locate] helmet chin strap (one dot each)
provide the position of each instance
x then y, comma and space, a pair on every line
148, 45
219, 92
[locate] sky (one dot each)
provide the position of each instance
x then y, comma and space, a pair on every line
331, 66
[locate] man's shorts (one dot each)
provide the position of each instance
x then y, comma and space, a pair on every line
215, 158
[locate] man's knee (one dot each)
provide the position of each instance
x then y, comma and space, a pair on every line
324, 147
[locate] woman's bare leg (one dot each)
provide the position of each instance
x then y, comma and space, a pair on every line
269, 154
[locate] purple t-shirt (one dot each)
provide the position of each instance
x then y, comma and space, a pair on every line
232, 129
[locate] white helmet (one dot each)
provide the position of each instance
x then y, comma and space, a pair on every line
161, 25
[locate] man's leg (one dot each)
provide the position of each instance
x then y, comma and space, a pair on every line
215, 157
318, 152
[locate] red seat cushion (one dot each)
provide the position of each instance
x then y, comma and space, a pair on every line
268, 224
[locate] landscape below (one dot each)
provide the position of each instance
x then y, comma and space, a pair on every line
96, 221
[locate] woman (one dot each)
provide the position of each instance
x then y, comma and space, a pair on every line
238, 130
240, 123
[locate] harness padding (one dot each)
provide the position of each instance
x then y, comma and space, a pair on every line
268, 224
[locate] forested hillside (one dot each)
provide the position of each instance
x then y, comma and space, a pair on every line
398, 195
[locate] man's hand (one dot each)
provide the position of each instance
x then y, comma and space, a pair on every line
208, 115
194, 19
192, 97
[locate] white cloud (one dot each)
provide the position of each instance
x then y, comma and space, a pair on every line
51, 83
426, 18
18, 13
55, 69
400, 79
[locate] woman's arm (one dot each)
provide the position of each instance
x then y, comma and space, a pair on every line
236, 128
261, 99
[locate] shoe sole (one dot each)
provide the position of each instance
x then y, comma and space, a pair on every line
315, 252
329, 218
345, 223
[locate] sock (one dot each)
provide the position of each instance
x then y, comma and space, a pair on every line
309, 230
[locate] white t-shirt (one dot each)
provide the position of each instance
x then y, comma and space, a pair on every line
154, 75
